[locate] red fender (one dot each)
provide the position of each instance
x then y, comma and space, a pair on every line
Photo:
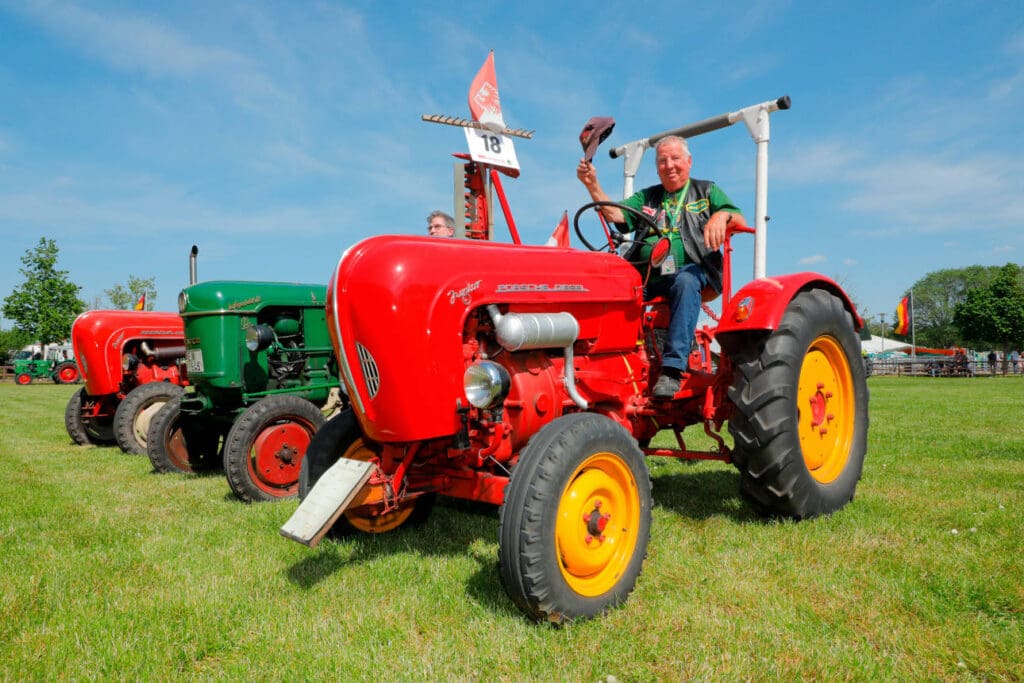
759, 304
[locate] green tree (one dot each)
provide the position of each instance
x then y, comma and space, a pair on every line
125, 297
46, 304
993, 316
936, 296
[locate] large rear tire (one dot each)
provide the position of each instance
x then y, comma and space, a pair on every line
136, 412
576, 520
341, 437
801, 411
181, 443
66, 373
86, 421
265, 447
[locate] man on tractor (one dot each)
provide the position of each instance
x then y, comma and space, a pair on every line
694, 215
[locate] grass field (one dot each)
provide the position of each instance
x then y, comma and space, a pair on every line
112, 572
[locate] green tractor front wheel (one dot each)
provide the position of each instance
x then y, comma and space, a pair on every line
177, 442
264, 450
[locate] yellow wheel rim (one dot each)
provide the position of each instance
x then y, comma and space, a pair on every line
598, 524
825, 409
365, 518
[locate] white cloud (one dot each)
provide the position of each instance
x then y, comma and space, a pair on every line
811, 260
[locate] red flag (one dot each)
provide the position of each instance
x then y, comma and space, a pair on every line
484, 103
560, 237
903, 313
140, 305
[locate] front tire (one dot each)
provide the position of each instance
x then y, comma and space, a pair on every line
87, 420
181, 443
801, 411
23, 378
340, 437
136, 412
266, 445
576, 520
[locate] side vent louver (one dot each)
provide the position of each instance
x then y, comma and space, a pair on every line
370, 372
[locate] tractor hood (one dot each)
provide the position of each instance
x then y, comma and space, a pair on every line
99, 339
234, 297
398, 306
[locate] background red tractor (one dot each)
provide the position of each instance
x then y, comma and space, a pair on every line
132, 362
521, 376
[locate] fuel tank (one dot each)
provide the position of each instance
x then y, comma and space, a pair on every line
397, 308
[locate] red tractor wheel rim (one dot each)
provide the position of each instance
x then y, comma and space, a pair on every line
68, 374
177, 450
276, 457
24, 378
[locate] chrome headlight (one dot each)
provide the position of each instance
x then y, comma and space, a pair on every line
486, 384
182, 302
129, 361
258, 337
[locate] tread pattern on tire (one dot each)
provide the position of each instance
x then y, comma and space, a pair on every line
773, 475
528, 500
138, 399
244, 431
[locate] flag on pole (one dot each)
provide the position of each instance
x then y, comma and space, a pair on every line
560, 237
140, 305
484, 103
904, 316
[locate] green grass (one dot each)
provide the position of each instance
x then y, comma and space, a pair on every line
112, 572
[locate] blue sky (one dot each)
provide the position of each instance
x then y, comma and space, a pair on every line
276, 134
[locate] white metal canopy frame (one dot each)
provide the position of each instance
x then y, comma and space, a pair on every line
756, 119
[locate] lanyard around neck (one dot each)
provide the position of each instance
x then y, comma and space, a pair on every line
675, 212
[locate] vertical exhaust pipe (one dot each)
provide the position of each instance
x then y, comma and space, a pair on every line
192, 265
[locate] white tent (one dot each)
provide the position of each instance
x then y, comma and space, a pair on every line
883, 345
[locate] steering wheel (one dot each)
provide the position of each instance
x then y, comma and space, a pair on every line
645, 228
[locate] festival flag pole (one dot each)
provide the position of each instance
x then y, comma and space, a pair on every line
913, 323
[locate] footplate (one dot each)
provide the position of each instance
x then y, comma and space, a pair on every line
325, 502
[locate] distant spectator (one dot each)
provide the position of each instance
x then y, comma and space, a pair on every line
992, 362
1014, 359
440, 224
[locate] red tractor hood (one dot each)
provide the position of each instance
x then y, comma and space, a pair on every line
397, 308
99, 339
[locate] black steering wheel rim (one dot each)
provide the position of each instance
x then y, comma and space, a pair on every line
649, 227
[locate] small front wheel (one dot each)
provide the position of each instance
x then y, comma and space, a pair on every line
265, 447
136, 412
181, 443
576, 520
66, 373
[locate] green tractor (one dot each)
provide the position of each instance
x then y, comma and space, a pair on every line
262, 376
56, 363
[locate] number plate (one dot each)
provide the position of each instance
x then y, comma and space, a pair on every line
194, 360
491, 148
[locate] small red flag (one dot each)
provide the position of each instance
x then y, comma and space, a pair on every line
560, 237
903, 313
140, 305
484, 103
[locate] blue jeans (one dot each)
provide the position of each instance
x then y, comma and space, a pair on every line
683, 292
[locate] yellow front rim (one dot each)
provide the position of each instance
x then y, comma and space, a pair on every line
365, 518
597, 527
826, 410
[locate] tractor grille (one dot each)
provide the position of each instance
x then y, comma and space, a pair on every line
370, 373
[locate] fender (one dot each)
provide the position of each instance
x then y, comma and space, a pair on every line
763, 301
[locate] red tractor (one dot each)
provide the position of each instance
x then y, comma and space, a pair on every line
521, 376
133, 363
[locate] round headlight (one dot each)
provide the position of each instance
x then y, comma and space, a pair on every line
182, 302
258, 337
128, 362
486, 384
